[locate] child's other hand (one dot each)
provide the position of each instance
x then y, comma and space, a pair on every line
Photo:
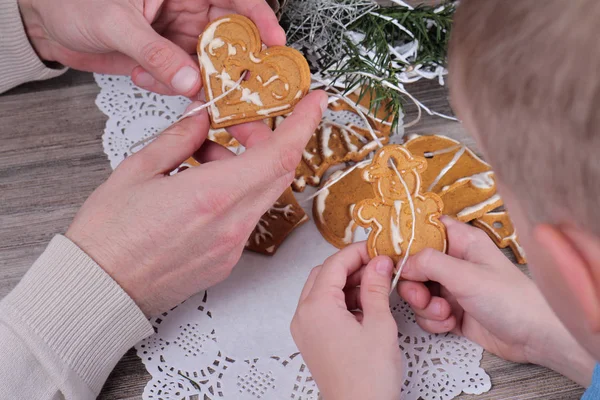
481, 295
351, 354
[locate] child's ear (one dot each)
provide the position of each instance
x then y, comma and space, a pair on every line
577, 257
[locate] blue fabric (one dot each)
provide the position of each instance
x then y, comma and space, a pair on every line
593, 392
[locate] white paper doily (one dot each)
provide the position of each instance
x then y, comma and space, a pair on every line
233, 341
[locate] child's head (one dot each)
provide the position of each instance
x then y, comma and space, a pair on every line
525, 80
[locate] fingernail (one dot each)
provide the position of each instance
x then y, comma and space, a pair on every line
185, 79
324, 103
144, 79
384, 266
437, 308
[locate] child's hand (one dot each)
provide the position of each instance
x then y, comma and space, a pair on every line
485, 298
351, 354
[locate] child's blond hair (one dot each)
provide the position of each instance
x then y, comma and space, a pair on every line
528, 72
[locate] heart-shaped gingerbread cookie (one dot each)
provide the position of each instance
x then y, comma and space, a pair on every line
275, 80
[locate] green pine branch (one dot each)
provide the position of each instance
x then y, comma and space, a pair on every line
431, 29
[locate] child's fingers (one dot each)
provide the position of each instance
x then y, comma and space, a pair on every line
310, 281
438, 309
338, 267
416, 294
375, 287
433, 326
431, 265
419, 298
469, 243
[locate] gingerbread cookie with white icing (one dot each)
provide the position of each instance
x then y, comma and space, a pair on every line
276, 224
466, 183
381, 119
401, 218
224, 138
330, 145
333, 206
187, 164
275, 78
500, 228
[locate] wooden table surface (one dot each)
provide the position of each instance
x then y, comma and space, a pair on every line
51, 159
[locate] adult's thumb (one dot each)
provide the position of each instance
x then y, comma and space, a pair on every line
164, 61
375, 286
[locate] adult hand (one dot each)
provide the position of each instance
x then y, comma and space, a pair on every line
164, 238
486, 298
351, 354
151, 40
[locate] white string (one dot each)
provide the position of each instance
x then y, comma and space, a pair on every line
393, 165
394, 22
188, 114
401, 3
336, 180
413, 233
405, 92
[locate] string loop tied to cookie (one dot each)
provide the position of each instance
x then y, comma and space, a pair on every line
188, 114
341, 96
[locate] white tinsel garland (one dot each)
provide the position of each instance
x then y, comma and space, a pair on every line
319, 29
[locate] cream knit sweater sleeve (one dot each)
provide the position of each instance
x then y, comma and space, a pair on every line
18, 61
64, 327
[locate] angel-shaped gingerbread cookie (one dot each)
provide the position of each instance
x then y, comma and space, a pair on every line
400, 215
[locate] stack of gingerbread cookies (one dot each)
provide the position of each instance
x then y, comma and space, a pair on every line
463, 182
398, 192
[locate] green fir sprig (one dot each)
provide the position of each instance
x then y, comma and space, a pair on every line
374, 56
365, 52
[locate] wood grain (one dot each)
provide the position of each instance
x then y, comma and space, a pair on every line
51, 159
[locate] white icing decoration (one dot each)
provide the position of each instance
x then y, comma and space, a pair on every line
321, 204
307, 156
447, 168
226, 81
395, 229
216, 43
349, 231
287, 211
483, 181
254, 59
209, 69
372, 221
512, 238
478, 207
273, 79
207, 37
298, 95
350, 146
325, 136
252, 98
272, 110
231, 50
270, 249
